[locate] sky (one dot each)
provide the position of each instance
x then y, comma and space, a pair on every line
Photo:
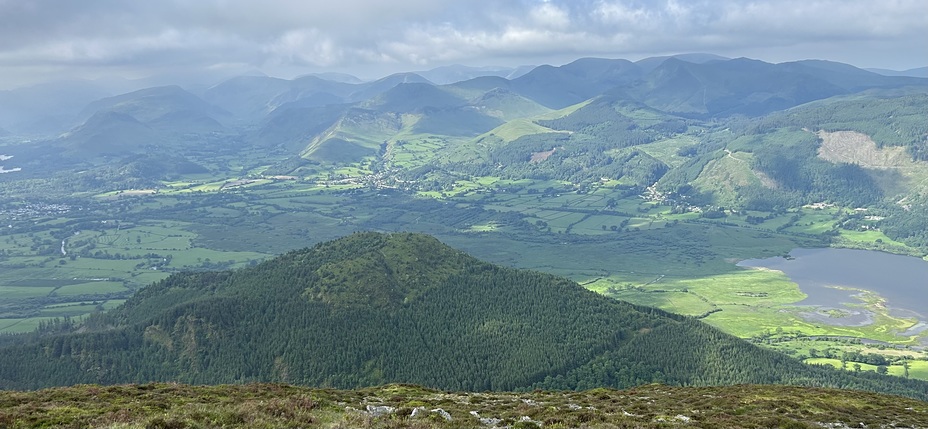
105, 39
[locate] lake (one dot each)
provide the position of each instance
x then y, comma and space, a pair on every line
901, 280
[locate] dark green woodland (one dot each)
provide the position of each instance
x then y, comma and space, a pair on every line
372, 308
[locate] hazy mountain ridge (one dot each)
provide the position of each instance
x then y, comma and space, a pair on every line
648, 64
149, 104
252, 97
694, 85
47, 109
457, 73
142, 122
916, 72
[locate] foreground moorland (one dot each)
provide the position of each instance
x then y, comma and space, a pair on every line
268, 406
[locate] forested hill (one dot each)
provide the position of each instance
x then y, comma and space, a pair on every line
374, 308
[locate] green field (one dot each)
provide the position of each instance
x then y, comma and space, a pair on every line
917, 369
666, 150
101, 262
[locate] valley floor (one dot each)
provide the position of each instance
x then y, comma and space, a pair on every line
71, 259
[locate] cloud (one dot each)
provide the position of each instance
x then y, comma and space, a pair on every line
370, 35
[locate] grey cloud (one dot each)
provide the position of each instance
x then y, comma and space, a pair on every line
294, 35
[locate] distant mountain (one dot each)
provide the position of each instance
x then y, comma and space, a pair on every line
440, 111
375, 308
195, 81
417, 108
483, 84
412, 97
356, 134
151, 104
749, 87
698, 85
371, 89
651, 63
309, 91
559, 87
591, 141
739, 86
463, 121
47, 109
847, 76
916, 72
252, 98
143, 120
248, 98
507, 105
457, 73
109, 133
338, 77
294, 127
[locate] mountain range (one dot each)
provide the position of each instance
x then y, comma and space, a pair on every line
346, 121
695, 85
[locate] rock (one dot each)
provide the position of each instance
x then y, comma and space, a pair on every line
489, 421
486, 421
379, 410
444, 414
